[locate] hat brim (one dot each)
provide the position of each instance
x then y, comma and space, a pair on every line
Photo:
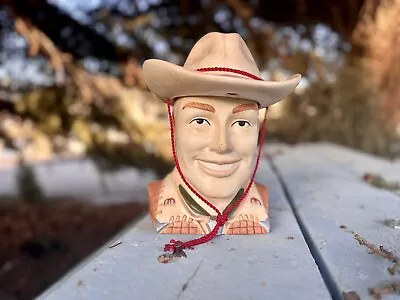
169, 81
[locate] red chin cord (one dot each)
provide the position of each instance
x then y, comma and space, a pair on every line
176, 247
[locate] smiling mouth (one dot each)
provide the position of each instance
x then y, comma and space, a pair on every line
219, 169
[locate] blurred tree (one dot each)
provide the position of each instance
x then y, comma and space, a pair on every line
28, 187
376, 38
96, 50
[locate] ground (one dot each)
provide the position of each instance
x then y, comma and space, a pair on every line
41, 242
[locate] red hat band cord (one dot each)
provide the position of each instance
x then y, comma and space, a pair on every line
177, 246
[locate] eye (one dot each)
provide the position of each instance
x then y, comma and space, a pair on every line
242, 123
199, 121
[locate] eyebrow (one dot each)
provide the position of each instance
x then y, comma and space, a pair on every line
201, 106
243, 107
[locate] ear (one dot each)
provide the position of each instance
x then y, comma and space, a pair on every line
261, 115
174, 107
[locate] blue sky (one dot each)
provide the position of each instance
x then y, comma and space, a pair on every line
78, 8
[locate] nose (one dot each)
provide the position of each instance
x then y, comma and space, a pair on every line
221, 142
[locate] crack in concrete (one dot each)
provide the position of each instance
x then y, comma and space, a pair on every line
326, 275
186, 284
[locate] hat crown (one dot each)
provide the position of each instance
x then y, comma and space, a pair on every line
226, 50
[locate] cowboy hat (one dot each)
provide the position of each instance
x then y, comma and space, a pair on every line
218, 65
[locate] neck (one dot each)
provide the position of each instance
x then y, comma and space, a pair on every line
220, 203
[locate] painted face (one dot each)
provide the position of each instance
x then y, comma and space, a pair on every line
216, 143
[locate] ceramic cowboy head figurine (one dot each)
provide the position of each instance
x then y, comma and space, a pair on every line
215, 98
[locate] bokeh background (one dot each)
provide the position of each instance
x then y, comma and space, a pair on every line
71, 90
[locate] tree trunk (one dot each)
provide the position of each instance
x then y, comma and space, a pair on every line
377, 39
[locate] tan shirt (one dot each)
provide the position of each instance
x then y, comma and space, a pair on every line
171, 213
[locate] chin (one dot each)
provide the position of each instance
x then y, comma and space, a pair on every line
219, 187
216, 187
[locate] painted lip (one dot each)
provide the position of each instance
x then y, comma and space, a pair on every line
219, 169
